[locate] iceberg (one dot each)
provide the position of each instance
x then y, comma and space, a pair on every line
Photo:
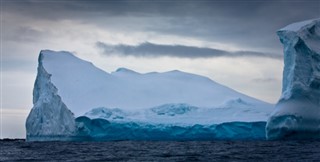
297, 113
74, 100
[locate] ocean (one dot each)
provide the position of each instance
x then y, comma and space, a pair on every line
19, 150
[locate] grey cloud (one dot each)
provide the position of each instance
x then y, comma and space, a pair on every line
23, 34
251, 25
62, 9
179, 8
148, 49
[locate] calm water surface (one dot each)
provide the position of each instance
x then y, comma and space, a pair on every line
161, 151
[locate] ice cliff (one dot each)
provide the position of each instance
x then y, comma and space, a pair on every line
297, 114
49, 117
74, 100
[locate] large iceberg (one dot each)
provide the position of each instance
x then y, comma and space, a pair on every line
297, 114
74, 100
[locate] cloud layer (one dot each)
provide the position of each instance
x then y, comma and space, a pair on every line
148, 49
215, 21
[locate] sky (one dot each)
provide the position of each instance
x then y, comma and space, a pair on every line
231, 42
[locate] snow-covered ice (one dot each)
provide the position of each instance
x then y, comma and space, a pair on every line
73, 99
297, 114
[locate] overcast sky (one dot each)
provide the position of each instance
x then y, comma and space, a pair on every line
231, 42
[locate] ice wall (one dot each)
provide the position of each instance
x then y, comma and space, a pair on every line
49, 118
297, 114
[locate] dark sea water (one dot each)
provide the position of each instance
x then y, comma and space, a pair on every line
161, 151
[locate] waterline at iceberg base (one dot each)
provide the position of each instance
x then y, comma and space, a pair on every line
103, 130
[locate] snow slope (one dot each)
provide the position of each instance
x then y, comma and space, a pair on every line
169, 98
297, 113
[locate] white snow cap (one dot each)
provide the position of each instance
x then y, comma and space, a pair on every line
298, 25
82, 86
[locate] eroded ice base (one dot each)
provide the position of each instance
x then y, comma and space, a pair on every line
103, 130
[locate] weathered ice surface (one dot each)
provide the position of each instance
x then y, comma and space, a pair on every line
74, 100
49, 116
297, 114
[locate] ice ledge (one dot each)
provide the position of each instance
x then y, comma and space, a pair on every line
104, 130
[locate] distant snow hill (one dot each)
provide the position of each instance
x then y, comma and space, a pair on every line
74, 100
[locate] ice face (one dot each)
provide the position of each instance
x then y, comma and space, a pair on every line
104, 130
74, 100
297, 114
49, 115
